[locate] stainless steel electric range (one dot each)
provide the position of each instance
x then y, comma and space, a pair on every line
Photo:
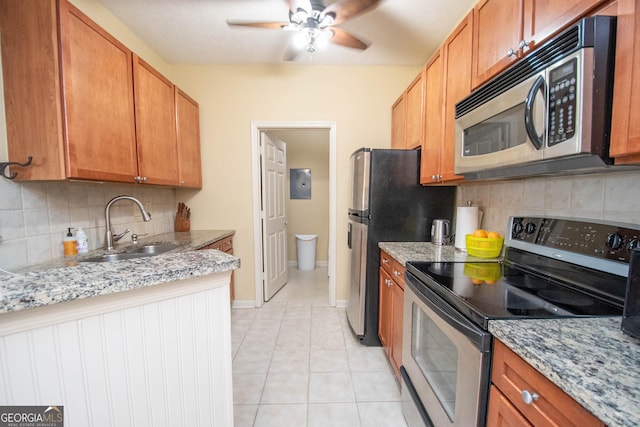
551, 268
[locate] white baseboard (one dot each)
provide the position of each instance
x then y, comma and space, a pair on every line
243, 304
342, 303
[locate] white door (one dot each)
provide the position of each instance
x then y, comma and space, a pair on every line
274, 230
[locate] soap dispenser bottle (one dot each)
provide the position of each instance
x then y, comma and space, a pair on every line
82, 241
69, 243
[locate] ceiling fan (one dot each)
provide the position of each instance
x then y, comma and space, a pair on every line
314, 24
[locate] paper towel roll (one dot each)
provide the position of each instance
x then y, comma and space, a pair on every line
466, 223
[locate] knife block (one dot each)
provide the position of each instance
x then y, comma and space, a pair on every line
182, 224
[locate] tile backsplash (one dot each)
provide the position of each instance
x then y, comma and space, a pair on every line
34, 216
613, 196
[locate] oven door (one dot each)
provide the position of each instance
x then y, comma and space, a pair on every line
508, 129
446, 359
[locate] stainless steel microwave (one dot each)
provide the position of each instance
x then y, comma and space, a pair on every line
549, 112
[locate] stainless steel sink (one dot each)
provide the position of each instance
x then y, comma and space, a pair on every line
136, 252
152, 249
113, 257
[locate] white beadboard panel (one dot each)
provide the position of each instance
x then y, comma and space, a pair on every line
134, 335
162, 363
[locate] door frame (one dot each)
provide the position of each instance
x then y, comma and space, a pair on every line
256, 128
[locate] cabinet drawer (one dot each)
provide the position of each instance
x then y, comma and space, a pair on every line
550, 405
223, 245
393, 267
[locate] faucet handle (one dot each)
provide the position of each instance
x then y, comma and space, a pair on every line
134, 237
117, 237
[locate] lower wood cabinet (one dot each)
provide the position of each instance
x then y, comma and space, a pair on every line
224, 245
391, 309
522, 396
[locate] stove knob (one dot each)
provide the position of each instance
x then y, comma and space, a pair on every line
633, 244
615, 241
530, 228
517, 228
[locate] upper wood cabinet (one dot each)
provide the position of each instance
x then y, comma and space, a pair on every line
155, 125
433, 124
625, 122
523, 25
398, 123
457, 85
414, 113
69, 100
188, 134
68, 94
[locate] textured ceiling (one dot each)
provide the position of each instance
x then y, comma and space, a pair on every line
400, 32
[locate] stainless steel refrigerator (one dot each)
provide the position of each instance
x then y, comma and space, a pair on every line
387, 204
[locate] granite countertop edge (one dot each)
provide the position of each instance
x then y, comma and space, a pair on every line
71, 279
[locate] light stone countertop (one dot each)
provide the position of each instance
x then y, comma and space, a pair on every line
589, 358
404, 252
70, 279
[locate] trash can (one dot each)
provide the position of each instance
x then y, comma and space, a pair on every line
306, 251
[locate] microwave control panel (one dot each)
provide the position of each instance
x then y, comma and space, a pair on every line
607, 241
563, 82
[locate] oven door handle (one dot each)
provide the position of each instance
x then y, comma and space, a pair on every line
536, 139
481, 338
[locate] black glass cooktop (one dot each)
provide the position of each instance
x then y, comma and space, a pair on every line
494, 290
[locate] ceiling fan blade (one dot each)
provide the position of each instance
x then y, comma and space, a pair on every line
268, 25
344, 10
343, 38
294, 5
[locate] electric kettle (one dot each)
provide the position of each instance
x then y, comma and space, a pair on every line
441, 232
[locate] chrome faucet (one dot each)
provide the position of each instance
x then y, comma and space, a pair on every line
109, 237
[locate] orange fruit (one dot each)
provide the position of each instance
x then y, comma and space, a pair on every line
477, 281
480, 233
490, 282
493, 235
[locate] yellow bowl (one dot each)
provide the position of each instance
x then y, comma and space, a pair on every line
484, 247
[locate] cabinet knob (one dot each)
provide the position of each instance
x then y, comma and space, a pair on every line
529, 397
511, 52
523, 44
140, 178
396, 272
181, 182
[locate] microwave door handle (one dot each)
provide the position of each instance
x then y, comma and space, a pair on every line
530, 127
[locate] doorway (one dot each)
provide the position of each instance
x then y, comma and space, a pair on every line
257, 128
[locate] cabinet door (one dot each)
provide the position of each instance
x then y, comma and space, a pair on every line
494, 50
385, 307
432, 141
414, 113
31, 76
397, 302
155, 125
543, 18
502, 413
98, 93
188, 134
457, 66
625, 124
398, 123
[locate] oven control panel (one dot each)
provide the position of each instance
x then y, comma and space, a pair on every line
600, 240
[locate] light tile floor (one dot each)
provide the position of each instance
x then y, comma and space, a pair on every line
296, 363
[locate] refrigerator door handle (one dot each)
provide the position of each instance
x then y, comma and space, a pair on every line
349, 236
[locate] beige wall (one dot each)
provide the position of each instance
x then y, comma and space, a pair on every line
358, 99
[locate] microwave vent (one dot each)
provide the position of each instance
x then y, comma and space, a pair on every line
565, 43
